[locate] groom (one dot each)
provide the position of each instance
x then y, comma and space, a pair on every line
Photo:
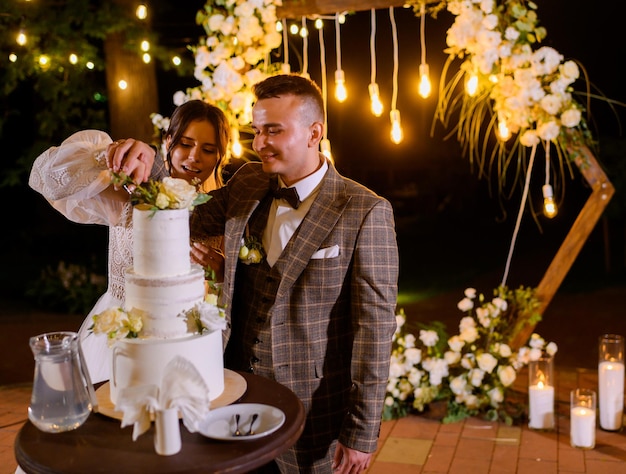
317, 314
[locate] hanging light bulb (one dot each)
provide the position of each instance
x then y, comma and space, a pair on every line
73, 58
341, 94
549, 206
325, 148
471, 86
235, 146
503, 130
294, 29
397, 135
424, 87
376, 104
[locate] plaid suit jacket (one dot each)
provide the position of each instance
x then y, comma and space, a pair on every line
333, 318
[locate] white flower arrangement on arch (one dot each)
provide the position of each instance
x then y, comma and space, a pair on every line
471, 371
523, 95
234, 55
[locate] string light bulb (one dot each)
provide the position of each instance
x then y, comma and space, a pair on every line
397, 134
21, 38
141, 12
44, 61
73, 58
549, 206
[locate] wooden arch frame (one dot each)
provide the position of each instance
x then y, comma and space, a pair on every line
601, 188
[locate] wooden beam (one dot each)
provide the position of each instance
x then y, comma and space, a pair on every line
602, 191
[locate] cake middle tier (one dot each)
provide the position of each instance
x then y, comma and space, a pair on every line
163, 301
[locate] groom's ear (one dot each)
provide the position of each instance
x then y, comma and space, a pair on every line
316, 131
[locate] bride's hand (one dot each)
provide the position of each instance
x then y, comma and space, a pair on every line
210, 257
132, 157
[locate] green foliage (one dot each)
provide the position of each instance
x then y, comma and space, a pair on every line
46, 103
69, 287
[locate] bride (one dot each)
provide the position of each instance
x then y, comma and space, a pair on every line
75, 179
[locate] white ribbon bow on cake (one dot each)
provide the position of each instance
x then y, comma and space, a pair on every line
182, 391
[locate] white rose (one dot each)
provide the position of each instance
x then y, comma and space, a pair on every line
551, 348
456, 343
179, 191
413, 356
429, 338
504, 350
465, 304
487, 362
476, 377
451, 357
506, 375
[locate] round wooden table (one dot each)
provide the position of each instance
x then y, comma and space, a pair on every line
100, 445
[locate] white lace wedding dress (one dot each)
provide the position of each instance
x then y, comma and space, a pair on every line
72, 178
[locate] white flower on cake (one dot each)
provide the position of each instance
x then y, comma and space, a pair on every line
169, 193
117, 323
206, 316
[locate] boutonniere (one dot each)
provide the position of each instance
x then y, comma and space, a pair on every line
251, 250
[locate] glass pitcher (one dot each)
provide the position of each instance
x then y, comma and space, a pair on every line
62, 391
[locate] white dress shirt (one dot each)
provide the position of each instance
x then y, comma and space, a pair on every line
283, 220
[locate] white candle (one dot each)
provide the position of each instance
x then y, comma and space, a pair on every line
611, 394
582, 427
541, 406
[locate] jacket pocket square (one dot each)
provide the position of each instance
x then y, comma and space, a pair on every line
328, 252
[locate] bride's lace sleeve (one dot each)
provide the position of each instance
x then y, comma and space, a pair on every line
73, 176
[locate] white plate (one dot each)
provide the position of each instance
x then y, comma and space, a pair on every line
220, 423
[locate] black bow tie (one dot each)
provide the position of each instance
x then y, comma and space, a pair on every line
288, 194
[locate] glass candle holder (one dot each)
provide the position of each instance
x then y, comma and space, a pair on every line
541, 393
583, 418
611, 381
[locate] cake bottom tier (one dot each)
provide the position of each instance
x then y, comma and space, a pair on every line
142, 361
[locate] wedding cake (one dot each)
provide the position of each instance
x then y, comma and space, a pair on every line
166, 294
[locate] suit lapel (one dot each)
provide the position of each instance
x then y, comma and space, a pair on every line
315, 228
